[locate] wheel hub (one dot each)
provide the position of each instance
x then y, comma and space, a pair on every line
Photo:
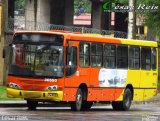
79, 100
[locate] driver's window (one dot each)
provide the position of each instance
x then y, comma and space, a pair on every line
71, 64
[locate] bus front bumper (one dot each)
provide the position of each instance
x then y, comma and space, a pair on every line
38, 95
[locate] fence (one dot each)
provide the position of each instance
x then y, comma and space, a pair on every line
22, 25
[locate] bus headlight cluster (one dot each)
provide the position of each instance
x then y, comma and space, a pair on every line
51, 88
13, 85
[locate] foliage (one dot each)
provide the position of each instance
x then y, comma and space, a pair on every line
125, 2
152, 18
3, 95
19, 4
86, 4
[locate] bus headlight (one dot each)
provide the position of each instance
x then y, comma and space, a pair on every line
51, 88
14, 85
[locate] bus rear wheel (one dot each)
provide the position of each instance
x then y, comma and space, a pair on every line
77, 105
125, 104
32, 105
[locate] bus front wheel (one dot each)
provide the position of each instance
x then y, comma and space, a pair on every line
32, 105
125, 104
86, 105
77, 105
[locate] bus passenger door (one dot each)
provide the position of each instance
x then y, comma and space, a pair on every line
149, 73
154, 63
134, 73
71, 74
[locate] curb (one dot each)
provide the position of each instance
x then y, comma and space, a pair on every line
24, 104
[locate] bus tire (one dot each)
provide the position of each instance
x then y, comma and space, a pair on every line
125, 104
32, 105
86, 105
77, 105
116, 105
127, 100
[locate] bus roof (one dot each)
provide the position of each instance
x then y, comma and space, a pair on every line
101, 38
97, 38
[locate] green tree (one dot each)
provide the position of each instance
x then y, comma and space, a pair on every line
152, 18
86, 4
19, 4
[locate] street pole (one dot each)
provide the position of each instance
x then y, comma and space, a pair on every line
3, 25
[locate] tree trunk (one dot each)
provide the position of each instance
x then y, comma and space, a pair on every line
132, 21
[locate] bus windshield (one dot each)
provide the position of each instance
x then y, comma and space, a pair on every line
37, 56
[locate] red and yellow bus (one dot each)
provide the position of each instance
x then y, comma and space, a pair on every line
81, 69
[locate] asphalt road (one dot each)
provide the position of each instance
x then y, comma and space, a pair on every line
147, 112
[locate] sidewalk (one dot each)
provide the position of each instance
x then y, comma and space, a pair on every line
22, 103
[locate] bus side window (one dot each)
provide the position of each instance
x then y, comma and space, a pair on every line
96, 54
122, 56
84, 49
153, 59
146, 58
134, 57
71, 65
109, 53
